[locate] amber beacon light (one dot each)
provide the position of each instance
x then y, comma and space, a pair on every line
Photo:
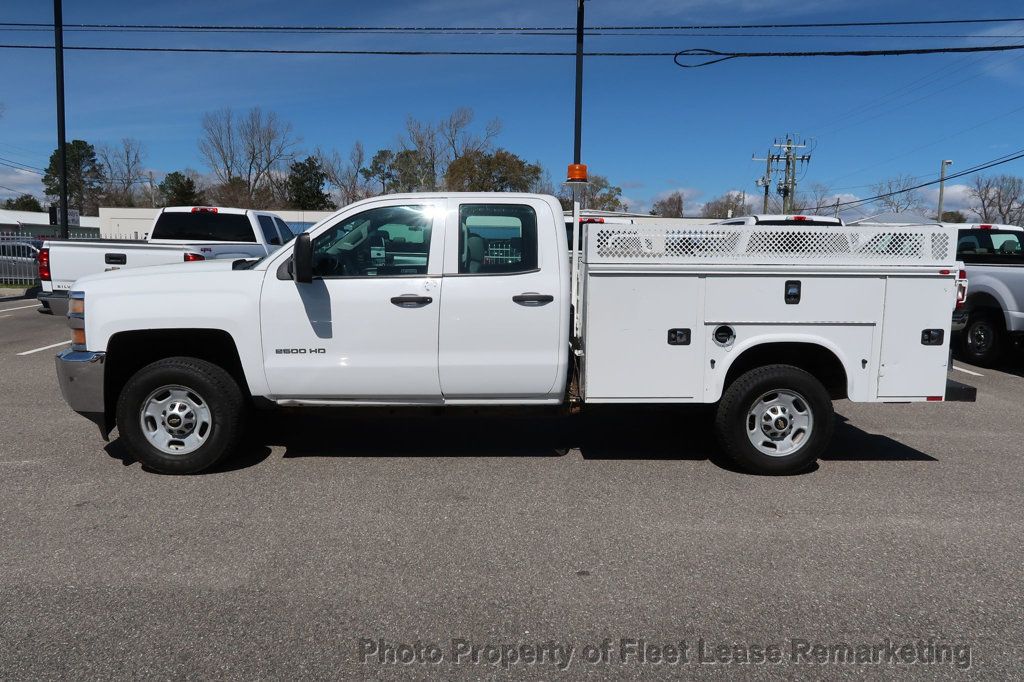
577, 172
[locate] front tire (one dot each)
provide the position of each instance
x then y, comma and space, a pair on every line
983, 339
180, 415
775, 419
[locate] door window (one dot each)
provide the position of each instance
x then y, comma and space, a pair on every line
286, 233
381, 242
269, 231
497, 239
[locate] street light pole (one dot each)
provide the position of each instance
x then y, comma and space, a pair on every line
942, 184
62, 151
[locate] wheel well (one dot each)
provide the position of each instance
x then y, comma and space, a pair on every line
983, 302
810, 357
128, 352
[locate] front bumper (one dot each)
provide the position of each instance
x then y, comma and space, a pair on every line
80, 375
55, 301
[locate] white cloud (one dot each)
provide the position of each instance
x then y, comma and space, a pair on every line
17, 182
955, 198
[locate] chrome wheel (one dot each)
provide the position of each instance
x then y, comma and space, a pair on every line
176, 420
779, 423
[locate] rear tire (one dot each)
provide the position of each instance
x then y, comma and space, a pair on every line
180, 415
776, 419
983, 340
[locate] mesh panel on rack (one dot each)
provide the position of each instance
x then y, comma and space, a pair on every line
825, 246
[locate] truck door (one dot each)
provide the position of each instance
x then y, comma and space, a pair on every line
366, 327
504, 314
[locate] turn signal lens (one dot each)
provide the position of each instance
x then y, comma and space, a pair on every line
78, 338
76, 306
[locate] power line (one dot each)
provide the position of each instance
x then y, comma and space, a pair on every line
389, 53
472, 31
719, 57
19, 163
20, 168
512, 29
11, 189
968, 171
699, 52
927, 81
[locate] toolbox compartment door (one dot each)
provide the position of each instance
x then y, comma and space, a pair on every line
908, 367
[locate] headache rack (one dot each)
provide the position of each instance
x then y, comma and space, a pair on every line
926, 245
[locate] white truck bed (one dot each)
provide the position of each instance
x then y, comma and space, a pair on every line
640, 282
81, 257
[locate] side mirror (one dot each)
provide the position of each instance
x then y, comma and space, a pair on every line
302, 259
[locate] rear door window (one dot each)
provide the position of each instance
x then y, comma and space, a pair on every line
204, 226
269, 230
497, 239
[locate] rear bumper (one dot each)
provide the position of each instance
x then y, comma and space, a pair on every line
55, 301
959, 320
960, 393
80, 375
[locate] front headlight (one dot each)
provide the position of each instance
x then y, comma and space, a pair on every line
76, 319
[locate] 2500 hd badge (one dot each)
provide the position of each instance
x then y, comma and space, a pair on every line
299, 351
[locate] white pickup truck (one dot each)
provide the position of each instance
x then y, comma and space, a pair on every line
179, 234
994, 314
474, 299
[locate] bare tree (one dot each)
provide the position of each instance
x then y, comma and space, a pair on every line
122, 168
818, 199
670, 206
219, 145
895, 194
458, 138
343, 174
428, 159
729, 205
252, 152
998, 199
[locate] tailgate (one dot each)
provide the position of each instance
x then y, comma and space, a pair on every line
72, 260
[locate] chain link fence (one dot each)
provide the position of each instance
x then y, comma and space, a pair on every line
19, 254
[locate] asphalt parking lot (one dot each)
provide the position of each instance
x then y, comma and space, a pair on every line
352, 547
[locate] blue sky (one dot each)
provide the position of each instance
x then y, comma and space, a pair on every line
648, 125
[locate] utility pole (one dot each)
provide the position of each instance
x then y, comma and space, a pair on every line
577, 131
765, 180
576, 175
787, 188
62, 150
942, 184
152, 190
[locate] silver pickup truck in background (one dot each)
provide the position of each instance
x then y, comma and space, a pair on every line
995, 301
179, 234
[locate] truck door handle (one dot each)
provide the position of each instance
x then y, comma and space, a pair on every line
411, 301
115, 258
531, 298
